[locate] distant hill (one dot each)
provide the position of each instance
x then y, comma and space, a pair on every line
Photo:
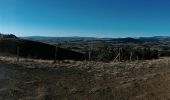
7, 36
39, 38
128, 39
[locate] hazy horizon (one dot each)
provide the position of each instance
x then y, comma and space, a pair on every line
48, 36
92, 36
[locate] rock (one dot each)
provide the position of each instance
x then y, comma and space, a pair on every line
94, 90
125, 86
73, 90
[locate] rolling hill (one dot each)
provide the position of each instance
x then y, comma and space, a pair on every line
38, 50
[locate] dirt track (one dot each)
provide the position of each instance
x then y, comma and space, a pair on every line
151, 81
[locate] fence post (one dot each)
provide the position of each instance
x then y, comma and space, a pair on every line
90, 51
55, 56
119, 55
130, 56
18, 49
89, 55
116, 58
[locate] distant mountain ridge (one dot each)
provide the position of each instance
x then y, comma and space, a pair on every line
127, 39
57, 38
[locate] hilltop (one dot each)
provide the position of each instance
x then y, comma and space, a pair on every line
7, 36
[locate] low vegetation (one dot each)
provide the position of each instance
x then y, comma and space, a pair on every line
122, 54
32, 79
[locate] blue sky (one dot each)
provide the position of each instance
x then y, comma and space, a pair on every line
92, 18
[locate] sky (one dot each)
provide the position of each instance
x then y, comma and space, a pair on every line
87, 18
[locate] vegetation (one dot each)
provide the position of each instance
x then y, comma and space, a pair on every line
78, 80
104, 53
122, 54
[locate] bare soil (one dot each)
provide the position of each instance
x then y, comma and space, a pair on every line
73, 80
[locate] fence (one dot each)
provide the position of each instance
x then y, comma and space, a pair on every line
122, 54
101, 54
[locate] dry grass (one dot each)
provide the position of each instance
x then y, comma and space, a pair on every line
82, 80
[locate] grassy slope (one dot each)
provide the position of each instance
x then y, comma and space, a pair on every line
36, 50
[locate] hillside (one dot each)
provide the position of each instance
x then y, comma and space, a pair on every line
33, 49
83, 45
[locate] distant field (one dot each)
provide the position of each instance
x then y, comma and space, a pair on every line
162, 44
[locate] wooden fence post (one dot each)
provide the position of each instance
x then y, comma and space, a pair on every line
18, 51
89, 55
119, 55
130, 56
90, 52
116, 58
55, 56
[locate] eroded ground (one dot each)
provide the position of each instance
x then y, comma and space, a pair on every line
70, 80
